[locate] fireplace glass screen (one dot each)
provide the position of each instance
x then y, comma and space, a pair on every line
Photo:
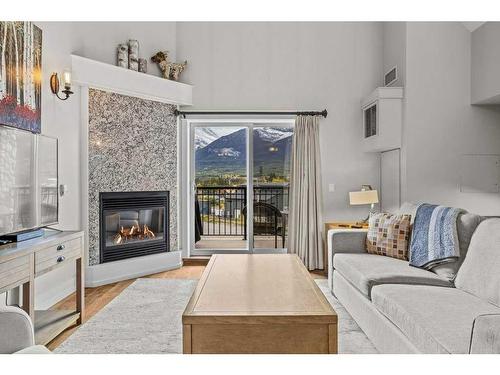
133, 224
129, 226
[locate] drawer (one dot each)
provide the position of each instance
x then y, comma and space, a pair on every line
57, 254
14, 271
61, 248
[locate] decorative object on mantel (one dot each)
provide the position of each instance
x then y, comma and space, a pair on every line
169, 70
143, 65
128, 57
366, 196
66, 80
20, 77
133, 54
122, 58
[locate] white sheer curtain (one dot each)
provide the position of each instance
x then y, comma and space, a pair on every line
305, 220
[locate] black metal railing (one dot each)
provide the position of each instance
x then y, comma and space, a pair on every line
222, 208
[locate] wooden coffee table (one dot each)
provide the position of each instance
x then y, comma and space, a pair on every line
261, 303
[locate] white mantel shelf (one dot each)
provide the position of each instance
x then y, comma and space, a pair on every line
99, 75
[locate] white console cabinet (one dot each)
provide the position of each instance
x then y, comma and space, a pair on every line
382, 119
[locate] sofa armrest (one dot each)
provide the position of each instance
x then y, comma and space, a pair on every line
344, 241
16, 330
485, 335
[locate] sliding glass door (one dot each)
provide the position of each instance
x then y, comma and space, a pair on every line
271, 149
232, 164
220, 179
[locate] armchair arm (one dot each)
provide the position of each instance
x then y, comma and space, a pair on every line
344, 241
16, 330
485, 335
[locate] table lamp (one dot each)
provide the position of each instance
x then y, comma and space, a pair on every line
366, 196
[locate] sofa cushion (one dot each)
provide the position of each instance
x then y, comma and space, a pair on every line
480, 271
388, 235
486, 335
435, 319
367, 270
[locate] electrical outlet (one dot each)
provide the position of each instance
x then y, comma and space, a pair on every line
331, 188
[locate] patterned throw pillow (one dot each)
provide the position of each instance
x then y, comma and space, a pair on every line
389, 235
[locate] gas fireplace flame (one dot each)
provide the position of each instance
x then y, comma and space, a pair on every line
134, 232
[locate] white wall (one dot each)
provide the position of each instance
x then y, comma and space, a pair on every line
485, 54
60, 119
440, 124
294, 66
394, 49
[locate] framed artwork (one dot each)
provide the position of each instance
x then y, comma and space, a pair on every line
20, 75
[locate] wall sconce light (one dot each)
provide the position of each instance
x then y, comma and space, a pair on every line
66, 81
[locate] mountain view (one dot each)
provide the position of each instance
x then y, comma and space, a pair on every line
205, 135
221, 155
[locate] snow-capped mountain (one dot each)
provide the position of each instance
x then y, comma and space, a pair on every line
205, 136
271, 149
273, 134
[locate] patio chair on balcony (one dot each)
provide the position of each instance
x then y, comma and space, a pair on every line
267, 221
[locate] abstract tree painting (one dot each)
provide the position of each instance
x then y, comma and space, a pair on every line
20, 75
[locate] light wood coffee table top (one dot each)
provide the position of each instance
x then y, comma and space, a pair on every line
258, 288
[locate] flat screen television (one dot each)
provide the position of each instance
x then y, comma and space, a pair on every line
29, 196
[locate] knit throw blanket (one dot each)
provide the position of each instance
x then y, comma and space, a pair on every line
434, 238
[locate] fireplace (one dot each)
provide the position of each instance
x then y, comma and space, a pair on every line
133, 224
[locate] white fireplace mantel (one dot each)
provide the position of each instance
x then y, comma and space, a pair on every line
99, 75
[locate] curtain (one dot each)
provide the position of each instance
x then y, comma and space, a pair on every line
305, 220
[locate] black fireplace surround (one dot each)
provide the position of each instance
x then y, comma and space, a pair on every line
133, 224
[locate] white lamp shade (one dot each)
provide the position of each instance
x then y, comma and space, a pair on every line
363, 197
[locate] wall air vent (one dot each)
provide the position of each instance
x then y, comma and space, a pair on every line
391, 76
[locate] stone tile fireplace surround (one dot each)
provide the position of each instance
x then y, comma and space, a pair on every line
132, 147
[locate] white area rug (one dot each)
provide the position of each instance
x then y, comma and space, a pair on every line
146, 318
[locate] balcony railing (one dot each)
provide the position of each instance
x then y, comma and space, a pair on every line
223, 209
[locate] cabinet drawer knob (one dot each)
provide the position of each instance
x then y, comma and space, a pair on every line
60, 259
60, 247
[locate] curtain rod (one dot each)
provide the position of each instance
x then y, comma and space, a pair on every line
323, 113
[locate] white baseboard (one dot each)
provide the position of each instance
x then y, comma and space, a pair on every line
106, 273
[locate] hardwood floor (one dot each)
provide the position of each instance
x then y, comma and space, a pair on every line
97, 298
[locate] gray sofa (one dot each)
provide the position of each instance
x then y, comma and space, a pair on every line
16, 333
403, 309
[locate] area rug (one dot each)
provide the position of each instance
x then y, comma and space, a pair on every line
146, 318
